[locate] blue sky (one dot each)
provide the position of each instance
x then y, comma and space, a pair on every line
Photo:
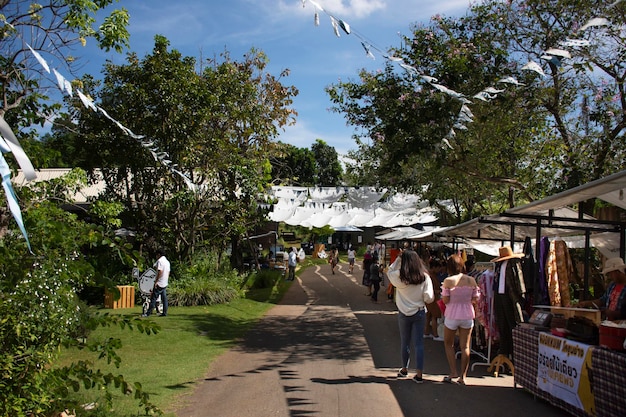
286, 32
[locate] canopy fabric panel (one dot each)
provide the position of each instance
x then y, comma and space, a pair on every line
610, 189
348, 206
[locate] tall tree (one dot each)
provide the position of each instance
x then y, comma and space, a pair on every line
293, 166
516, 143
329, 170
216, 125
583, 88
51, 28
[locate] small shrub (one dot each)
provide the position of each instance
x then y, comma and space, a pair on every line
203, 282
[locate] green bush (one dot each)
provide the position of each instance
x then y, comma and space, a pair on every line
40, 311
204, 282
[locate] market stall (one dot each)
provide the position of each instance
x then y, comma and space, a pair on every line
574, 370
584, 380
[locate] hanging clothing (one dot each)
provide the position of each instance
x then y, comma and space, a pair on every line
559, 268
509, 298
529, 268
484, 312
541, 286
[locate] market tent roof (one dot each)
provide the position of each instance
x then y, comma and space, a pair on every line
348, 206
502, 227
554, 218
397, 233
610, 189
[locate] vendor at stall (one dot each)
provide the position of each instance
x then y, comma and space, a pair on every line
613, 301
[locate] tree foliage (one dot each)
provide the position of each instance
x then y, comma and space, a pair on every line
293, 166
39, 307
329, 171
216, 124
318, 166
544, 135
51, 28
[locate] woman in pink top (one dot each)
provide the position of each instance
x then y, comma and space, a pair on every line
459, 292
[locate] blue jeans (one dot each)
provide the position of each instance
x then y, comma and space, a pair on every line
412, 331
155, 296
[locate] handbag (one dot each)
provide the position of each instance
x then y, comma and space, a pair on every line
442, 306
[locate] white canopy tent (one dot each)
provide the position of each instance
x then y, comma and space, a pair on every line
348, 206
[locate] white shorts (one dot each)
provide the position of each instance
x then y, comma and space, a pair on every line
454, 324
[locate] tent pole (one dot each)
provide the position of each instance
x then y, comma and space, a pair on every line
622, 241
587, 263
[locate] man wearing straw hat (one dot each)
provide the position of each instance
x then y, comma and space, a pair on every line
613, 301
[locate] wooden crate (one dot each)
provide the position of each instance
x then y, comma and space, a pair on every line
126, 300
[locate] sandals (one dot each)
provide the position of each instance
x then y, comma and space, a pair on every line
449, 379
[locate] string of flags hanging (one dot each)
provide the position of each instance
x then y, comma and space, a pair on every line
10, 144
554, 56
160, 156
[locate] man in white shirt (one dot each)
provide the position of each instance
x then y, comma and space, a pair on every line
293, 260
162, 266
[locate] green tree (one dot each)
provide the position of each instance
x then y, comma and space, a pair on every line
329, 171
216, 125
405, 120
294, 166
53, 29
529, 140
582, 96
39, 307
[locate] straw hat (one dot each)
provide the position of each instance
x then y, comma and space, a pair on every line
614, 264
507, 253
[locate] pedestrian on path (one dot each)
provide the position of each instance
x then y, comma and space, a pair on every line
375, 280
414, 290
367, 264
459, 293
334, 259
351, 258
291, 263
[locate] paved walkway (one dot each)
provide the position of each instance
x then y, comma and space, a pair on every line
327, 350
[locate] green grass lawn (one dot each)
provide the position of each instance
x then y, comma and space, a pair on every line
168, 364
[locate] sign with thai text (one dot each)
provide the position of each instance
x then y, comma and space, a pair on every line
563, 371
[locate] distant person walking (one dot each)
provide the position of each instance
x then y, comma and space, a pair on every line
334, 259
291, 263
375, 273
459, 293
351, 258
414, 289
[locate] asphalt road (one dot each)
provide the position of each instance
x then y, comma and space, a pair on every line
327, 350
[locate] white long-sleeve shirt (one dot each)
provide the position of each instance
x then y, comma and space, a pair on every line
410, 298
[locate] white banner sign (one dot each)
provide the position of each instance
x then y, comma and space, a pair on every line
563, 371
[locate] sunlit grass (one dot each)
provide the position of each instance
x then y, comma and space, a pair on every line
169, 363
